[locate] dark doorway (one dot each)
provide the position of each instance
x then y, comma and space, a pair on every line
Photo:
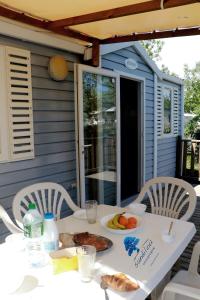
129, 99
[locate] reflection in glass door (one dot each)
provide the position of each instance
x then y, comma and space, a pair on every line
98, 135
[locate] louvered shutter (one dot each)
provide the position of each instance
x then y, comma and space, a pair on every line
159, 111
19, 119
4, 153
175, 111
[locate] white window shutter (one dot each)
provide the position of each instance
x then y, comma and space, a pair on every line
3, 111
175, 111
159, 111
18, 99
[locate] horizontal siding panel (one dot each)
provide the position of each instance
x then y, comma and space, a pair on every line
149, 175
49, 137
115, 66
149, 130
54, 128
43, 83
12, 189
52, 95
117, 57
47, 116
167, 157
38, 161
130, 52
51, 148
35, 173
42, 72
40, 127
167, 172
45, 127
48, 105
149, 117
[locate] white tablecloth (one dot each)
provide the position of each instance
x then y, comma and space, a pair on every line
148, 267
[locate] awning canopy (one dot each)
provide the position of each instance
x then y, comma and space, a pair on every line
108, 21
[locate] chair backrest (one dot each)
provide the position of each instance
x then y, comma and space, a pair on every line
48, 197
8, 222
169, 197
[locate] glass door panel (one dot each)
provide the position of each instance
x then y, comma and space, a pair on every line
99, 136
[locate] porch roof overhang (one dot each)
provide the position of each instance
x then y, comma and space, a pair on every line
94, 23
108, 21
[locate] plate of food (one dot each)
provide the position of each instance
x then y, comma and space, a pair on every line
101, 243
121, 223
119, 282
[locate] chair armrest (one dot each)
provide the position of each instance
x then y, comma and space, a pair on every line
8, 222
180, 289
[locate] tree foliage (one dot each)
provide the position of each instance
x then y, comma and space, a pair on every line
153, 48
192, 89
192, 98
192, 84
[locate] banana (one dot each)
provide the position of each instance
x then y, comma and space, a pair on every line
111, 225
116, 223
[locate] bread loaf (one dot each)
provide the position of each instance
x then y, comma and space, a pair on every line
120, 282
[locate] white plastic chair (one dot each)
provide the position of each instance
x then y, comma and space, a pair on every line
48, 197
8, 222
169, 196
185, 285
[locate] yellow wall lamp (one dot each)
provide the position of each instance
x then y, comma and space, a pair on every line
58, 68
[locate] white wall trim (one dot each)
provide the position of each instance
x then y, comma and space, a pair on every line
13, 29
81, 166
77, 135
182, 111
155, 164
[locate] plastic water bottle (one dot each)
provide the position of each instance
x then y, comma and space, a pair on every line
33, 231
51, 236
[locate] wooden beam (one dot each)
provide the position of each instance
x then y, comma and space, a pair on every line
95, 54
23, 18
153, 35
118, 12
74, 34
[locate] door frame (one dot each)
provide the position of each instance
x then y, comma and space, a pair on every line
80, 164
141, 119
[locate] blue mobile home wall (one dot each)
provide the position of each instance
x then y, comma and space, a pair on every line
166, 146
115, 61
166, 149
54, 130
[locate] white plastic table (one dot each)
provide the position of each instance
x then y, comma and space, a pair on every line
148, 267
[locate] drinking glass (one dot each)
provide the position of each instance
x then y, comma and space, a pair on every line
86, 258
91, 211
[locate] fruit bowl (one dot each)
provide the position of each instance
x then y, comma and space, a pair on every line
104, 222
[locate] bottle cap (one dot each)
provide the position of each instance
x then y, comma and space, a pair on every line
49, 216
31, 206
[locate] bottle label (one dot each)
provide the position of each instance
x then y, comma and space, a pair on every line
34, 230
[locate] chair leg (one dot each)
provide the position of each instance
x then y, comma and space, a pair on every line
156, 293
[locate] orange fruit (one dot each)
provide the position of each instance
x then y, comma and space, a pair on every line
130, 225
132, 220
123, 220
